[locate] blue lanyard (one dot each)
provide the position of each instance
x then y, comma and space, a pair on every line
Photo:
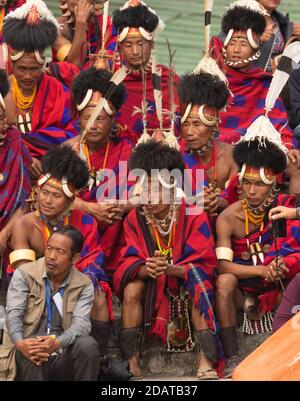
48, 303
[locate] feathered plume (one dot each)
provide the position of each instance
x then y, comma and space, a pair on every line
250, 5
288, 61
22, 12
208, 4
171, 85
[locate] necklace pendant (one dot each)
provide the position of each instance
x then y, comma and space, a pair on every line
217, 191
99, 176
91, 183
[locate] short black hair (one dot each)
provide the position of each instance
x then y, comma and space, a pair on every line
240, 19
155, 155
97, 80
72, 233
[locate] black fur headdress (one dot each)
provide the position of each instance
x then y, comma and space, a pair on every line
155, 155
98, 80
241, 18
4, 83
62, 161
135, 17
22, 35
258, 154
203, 88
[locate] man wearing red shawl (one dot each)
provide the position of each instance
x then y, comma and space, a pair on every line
64, 174
41, 101
86, 30
254, 263
202, 96
168, 260
106, 153
243, 24
15, 161
138, 27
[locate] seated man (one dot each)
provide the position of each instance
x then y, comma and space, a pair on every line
106, 153
203, 95
169, 253
256, 260
64, 174
243, 26
15, 162
48, 316
139, 27
82, 36
41, 101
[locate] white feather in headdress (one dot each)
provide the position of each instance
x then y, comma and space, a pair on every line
250, 5
23, 11
288, 61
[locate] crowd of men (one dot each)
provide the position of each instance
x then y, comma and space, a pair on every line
177, 195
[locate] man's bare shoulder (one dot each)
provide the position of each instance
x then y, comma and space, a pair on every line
28, 220
225, 149
230, 213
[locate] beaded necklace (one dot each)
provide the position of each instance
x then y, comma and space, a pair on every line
48, 228
22, 102
168, 250
212, 163
255, 249
95, 176
2, 15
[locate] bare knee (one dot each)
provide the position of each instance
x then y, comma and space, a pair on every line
134, 292
226, 285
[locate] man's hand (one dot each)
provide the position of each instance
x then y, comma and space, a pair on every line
157, 265
36, 168
273, 273
294, 157
33, 349
266, 36
211, 201
282, 212
83, 11
107, 213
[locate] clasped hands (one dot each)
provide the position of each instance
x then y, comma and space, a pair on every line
157, 265
38, 349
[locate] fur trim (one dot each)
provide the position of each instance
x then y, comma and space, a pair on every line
97, 80
241, 18
257, 155
63, 162
155, 155
203, 89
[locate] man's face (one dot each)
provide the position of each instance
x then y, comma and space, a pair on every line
136, 52
239, 49
27, 72
58, 256
101, 128
52, 201
255, 191
155, 197
270, 5
195, 132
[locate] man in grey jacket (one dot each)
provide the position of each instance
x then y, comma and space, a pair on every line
48, 316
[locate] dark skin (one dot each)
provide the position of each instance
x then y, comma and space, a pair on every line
28, 72
136, 52
97, 138
27, 234
81, 11
231, 224
239, 49
155, 267
59, 260
197, 135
